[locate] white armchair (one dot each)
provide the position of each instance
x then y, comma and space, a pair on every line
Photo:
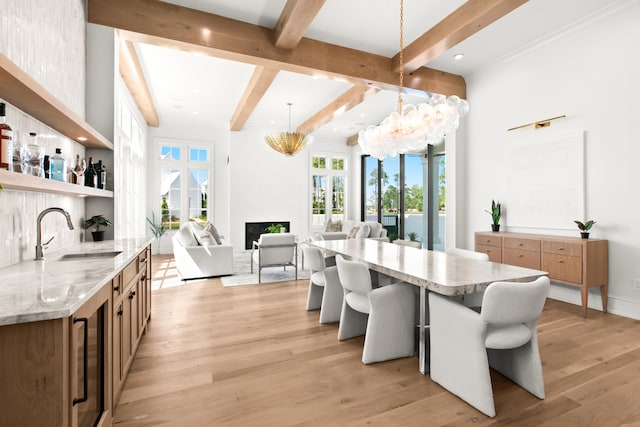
503, 335
195, 260
274, 250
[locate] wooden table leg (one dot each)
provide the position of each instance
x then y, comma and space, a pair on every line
584, 294
604, 294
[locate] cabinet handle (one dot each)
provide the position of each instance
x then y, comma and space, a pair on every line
116, 288
132, 294
520, 256
561, 261
119, 312
520, 244
85, 361
561, 248
488, 241
143, 260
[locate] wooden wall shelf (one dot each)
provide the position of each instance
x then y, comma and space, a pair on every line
18, 181
23, 92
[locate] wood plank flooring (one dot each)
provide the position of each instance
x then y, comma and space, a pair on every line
253, 356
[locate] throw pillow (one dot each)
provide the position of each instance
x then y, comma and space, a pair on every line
353, 232
363, 232
214, 232
205, 238
376, 228
334, 226
186, 236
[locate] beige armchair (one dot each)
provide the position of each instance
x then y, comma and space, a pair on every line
274, 250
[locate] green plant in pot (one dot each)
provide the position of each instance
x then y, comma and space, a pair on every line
157, 228
97, 222
275, 228
413, 236
584, 228
496, 213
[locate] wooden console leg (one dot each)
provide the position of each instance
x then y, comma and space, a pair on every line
584, 294
604, 294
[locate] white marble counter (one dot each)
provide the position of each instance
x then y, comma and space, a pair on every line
53, 288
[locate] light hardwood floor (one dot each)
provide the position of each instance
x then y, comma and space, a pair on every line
252, 355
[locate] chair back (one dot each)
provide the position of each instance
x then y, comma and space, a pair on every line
514, 302
354, 276
277, 248
313, 258
480, 256
411, 243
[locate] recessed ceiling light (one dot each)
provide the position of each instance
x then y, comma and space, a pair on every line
458, 56
195, 113
362, 114
82, 138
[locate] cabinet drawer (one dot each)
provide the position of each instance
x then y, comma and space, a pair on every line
562, 248
129, 273
523, 244
487, 240
521, 258
495, 254
562, 267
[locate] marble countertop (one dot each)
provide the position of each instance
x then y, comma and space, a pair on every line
54, 288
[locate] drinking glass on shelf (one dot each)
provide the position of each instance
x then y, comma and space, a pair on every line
78, 167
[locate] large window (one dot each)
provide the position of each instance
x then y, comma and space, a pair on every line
184, 183
406, 194
328, 188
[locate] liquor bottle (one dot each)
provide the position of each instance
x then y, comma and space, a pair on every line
99, 174
6, 136
103, 177
90, 174
15, 153
58, 166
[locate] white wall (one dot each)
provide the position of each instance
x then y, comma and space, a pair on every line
589, 73
47, 41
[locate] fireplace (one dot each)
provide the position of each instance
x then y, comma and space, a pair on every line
253, 230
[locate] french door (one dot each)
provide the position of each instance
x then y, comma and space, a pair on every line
406, 194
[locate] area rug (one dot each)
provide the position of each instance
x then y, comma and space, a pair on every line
242, 272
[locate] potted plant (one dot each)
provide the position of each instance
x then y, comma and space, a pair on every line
413, 236
157, 228
276, 228
496, 213
584, 228
97, 221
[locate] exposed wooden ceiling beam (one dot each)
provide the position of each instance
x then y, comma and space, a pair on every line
177, 27
468, 19
133, 77
354, 96
294, 20
255, 90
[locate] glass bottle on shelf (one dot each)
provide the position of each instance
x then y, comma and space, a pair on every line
34, 155
58, 166
15, 151
78, 168
6, 136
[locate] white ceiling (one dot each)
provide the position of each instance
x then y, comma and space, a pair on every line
189, 89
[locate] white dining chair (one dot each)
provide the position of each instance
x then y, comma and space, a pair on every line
325, 291
385, 315
503, 336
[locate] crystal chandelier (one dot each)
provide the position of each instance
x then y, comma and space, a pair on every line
287, 143
412, 127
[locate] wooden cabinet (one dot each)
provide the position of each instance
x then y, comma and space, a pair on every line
132, 307
568, 260
69, 371
54, 371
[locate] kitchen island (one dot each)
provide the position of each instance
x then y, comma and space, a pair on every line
69, 328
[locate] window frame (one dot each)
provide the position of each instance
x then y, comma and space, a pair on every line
329, 173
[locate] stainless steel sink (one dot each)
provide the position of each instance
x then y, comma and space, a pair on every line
85, 255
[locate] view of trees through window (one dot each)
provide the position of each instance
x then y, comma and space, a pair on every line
328, 192
408, 217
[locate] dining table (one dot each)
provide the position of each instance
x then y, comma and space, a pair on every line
430, 271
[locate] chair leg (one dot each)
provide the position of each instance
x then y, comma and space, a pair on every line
352, 322
332, 297
314, 297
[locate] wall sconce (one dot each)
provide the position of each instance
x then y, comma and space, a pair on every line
539, 124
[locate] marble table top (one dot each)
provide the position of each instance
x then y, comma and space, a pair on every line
54, 288
435, 271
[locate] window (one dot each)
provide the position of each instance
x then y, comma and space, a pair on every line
184, 183
328, 192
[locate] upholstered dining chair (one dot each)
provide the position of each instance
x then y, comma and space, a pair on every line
411, 243
274, 250
480, 256
464, 343
325, 291
385, 315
